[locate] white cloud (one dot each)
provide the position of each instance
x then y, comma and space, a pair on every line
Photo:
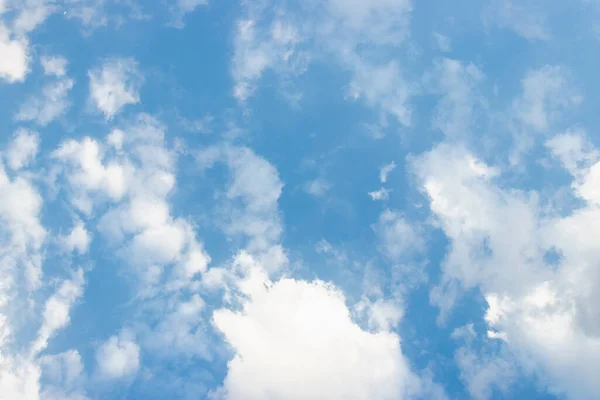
57, 309
30, 14
336, 32
385, 171
47, 106
202, 125
180, 331
21, 256
19, 379
254, 180
87, 174
251, 209
379, 21
546, 313
380, 194
483, 374
20, 209
399, 239
118, 357
182, 8
296, 340
54, 65
317, 187
257, 50
158, 245
115, 85
442, 42
64, 377
78, 240
161, 256
14, 45
574, 150
14, 56
22, 149
457, 84
546, 92
382, 87
526, 18
382, 315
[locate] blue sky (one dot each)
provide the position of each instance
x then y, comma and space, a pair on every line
327, 199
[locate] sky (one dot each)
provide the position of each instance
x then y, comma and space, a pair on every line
292, 200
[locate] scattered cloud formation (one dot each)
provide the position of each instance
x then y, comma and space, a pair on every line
50, 104
114, 85
22, 149
54, 65
380, 194
338, 199
118, 357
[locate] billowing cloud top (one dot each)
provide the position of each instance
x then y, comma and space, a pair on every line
315, 200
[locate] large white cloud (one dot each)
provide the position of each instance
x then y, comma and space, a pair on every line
545, 309
296, 340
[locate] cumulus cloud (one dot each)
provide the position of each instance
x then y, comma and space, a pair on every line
118, 357
78, 240
251, 209
161, 256
64, 376
457, 84
296, 340
22, 149
546, 92
54, 65
87, 174
483, 374
14, 56
57, 308
20, 209
574, 150
542, 311
398, 237
382, 87
50, 104
114, 85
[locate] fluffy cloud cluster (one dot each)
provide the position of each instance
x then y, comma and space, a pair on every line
296, 340
21, 269
544, 308
337, 29
114, 85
